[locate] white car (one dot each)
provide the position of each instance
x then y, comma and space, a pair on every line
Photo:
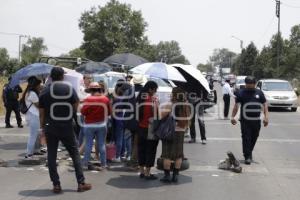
110, 78
279, 93
240, 82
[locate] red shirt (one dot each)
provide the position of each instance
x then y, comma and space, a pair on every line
96, 109
150, 102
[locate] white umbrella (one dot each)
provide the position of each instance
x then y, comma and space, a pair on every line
190, 72
159, 70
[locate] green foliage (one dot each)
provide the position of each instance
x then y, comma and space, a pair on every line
263, 64
78, 52
247, 60
222, 57
170, 52
208, 67
32, 50
114, 28
7, 65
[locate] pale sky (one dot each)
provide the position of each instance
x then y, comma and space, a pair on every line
198, 25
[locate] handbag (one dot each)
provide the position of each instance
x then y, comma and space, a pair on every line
165, 128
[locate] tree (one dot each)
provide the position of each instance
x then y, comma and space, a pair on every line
114, 28
170, 52
78, 52
4, 60
208, 67
32, 50
248, 60
222, 57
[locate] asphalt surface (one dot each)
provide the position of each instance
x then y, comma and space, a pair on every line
275, 175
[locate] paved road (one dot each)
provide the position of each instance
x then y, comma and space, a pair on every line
274, 176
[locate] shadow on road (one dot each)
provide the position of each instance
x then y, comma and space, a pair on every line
41, 193
134, 182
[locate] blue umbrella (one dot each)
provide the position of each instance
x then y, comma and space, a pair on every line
40, 70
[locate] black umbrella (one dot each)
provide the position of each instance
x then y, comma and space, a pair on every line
192, 85
93, 67
128, 59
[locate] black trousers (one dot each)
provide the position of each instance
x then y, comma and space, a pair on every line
146, 148
250, 132
13, 107
65, 134
226, 98
198, 114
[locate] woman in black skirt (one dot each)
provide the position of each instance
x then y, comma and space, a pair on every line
172, 150
148, 108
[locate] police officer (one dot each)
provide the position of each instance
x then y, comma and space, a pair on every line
226, 90
251, 101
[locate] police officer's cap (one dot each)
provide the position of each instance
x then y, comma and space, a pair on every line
250, 80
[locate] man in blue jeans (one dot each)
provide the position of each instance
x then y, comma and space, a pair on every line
57, 103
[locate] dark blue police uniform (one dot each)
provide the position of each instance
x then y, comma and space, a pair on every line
251, 101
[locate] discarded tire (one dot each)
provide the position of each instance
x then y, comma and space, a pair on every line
184, 165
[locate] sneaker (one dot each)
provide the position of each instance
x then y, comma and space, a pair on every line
38, 153
20, 126
43, 149
248, 161
56, 189
116, 160
9, 126
29, 156
84, 187
203, 141
192, 141
128, 158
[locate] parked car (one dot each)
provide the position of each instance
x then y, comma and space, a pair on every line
240, 82
110, 79
279, 93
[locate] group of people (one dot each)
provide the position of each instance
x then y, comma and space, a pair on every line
131, 111
51, 112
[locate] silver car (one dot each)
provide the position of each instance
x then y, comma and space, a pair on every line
279, 93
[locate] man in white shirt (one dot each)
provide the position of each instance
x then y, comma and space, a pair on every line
227, 92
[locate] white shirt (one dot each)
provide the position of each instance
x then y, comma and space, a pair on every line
30, 99
227, 89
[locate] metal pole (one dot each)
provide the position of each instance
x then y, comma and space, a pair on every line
278, 33
20, 37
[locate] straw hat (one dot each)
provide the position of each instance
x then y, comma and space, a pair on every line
138, 79
93, 85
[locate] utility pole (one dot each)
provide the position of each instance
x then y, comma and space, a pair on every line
20, 41
278, 33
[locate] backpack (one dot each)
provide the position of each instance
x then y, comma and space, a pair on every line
23, 107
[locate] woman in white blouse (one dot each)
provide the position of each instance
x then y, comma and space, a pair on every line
31, 96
